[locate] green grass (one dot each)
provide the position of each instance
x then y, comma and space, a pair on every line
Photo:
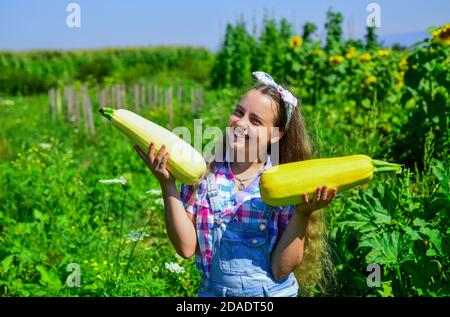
55, 212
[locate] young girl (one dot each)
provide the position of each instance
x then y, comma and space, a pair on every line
244, 247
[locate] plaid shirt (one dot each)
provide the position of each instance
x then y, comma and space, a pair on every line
232, 204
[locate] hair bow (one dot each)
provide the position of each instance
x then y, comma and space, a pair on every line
286, 95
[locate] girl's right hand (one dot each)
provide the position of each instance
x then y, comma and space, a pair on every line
157, 164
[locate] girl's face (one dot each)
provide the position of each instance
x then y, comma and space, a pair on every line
251, 123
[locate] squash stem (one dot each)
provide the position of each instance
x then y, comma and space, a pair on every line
107, 112
382, 166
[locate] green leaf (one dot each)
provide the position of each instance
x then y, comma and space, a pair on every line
431, 252
6, 263
412, 233
366, 103
419, 222
40, 216
48, 278
368, 213
388, 248
296, 67
421, 272
361, 226
359, 221
386, 289
434, 237
92, 286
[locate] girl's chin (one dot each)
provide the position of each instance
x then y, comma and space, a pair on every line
239, 146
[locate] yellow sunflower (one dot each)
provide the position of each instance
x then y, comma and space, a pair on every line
351, 53
370, 80
400, 84
318, 52
403, 64
296, 41
400, 79
442, 35
399, 76
334, 60
383, 53
365, 57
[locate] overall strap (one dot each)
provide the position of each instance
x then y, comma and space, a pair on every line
268, 212
214, 201
213, 193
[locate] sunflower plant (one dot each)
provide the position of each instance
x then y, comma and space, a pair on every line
426, 81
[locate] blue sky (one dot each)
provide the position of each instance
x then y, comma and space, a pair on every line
34, 24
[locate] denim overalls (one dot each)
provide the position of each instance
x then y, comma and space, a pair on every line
240, 257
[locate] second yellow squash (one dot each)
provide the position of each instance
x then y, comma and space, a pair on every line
283, 185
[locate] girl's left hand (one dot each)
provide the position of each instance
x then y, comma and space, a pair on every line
320, 200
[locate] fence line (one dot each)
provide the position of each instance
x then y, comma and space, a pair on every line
75, 104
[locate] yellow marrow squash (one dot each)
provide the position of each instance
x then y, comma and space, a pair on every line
185, 163
283, 184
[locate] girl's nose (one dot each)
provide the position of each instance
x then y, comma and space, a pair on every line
242, 128
242, 124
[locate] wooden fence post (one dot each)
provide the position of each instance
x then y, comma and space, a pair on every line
142, 92
150, 96
52, 103
162, 99
136, 98
111, 97
118, 103
106, 97
77, 103
193, 102
180, 95
102, 100
58, 103
97, 93
156, 90
170, 107
68, 103
200, 98
123, 94
87, 111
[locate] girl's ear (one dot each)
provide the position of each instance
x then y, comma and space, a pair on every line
276, 136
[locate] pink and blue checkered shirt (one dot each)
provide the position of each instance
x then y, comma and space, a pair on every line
232, 204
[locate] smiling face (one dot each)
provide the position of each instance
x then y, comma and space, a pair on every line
250, 125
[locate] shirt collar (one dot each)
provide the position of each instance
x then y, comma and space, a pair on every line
227, 159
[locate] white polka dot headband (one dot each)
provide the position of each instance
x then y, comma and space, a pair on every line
286, 95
